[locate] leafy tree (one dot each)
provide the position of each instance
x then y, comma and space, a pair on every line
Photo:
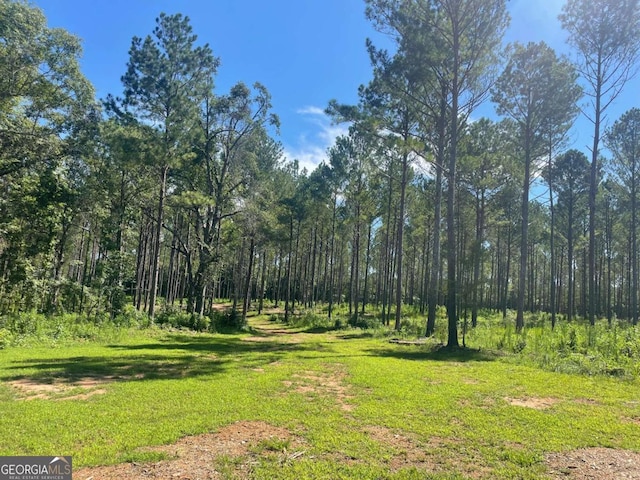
535, 87
570, 174
230, 155
606, 37
44, 99
467, 38
623, 140
485, 168
47, 122
167, 78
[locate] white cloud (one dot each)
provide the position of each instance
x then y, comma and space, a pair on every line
310, 110
312, 145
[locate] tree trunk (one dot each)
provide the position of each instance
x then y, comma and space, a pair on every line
287, 302
247, 287
634, 247
570, 271
524, 238
366, 269
155, 268
400, 239
263, 279
593, 191
552, 250
333, 260
434, 279
452, 285
477, 258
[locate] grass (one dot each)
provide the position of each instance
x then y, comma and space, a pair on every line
454, 407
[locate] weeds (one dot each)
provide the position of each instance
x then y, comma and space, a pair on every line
570, 347
575, 347
35, 329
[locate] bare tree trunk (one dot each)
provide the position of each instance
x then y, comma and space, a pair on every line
593, 191
452, 285
400, 238
524, 238
477, 258
434, 280
366, 270
155, 268
263, 278
287, 302
247, 287
332, 259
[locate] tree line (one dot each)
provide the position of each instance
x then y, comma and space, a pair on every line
174, 195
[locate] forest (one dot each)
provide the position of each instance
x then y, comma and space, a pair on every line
170, 197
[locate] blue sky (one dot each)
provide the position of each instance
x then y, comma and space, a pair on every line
305, 52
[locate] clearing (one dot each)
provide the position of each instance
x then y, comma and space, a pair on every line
280, 402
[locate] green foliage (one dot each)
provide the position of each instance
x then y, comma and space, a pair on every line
312, 320
176, 317
227, 320
572, 347
6, 338
32, 329
364, 321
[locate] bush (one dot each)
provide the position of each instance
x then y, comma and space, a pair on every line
199, 323
131, 317
226, 320
311, 320
575, 347
25, 323
175, 317
364, 321
6, 338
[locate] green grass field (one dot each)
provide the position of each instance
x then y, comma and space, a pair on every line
356, 406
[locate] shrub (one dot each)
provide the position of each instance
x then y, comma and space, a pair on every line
199, 323
175, 317
25, 324
364, 321
226, 320
6, 338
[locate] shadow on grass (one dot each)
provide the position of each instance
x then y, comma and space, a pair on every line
437, 354
171, 357
357, 336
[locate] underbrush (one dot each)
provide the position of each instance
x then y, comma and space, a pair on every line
571, 347
37, 329
218, 321
340, 320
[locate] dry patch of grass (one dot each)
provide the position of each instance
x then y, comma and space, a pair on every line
594, 463
408, 452
80, 389
433, 456
536, 403
267, 333
330, 383
236, 447
289, 339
